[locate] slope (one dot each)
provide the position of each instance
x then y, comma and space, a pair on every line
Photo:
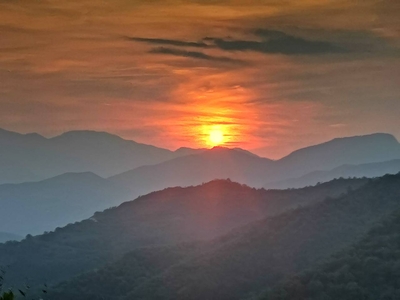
259, 255
42, 206
217, 163
346, 171
166, 217
245, 167
367, 270
32, 157
355, 150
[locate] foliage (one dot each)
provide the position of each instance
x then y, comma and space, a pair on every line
7, 296
368, 270
245, 261
174, 215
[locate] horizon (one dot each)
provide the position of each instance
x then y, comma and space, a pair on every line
221, 145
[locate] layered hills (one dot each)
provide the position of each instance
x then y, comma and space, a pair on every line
167, 217
247, 260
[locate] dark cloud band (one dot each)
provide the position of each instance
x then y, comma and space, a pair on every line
194, 54
168, 42
276, 42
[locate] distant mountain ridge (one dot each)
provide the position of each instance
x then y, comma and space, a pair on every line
32, 157
245, 167
369, 170
36, 207
355, 150
75, 196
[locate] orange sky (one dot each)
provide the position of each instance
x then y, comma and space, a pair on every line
273, 76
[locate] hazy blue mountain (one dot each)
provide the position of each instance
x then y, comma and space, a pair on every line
53, 197
216, 163
346, 171
5, 236
356, 150
248, 259
166, 217
32, 157
36, 207
45, 205
243, 166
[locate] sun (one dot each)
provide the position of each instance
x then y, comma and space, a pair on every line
216, 137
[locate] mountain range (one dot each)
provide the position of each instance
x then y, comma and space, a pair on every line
36, 207
250, 258
174, 215
346, 171
70, 197
32, 157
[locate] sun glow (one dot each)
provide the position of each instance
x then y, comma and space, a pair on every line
216, 137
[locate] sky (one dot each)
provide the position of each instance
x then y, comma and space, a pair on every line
270, 76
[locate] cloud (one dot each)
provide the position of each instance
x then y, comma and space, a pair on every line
272, 42
277, 42
169, 42
194, 54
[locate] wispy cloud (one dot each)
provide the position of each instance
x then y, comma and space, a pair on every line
270, 42
273, 41
194, 54
168, 42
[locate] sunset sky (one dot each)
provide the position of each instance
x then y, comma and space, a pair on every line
271, 76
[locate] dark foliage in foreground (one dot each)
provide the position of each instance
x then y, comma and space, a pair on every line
369, 270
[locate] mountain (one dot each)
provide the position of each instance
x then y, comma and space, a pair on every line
217, 163
55, 202
346, 171
167, 217
77, 196
249, 259
356, 150
36, 207
243, 166
5, 237
32, 157
367, 270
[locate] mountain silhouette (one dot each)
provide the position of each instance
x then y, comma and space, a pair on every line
346, 171
355, 150
248, 259
32, 157
72, 197
166, 217
36, 207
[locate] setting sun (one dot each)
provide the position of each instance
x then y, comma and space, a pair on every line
216, 137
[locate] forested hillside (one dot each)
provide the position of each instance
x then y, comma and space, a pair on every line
170, 216
368, 270
246, 261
